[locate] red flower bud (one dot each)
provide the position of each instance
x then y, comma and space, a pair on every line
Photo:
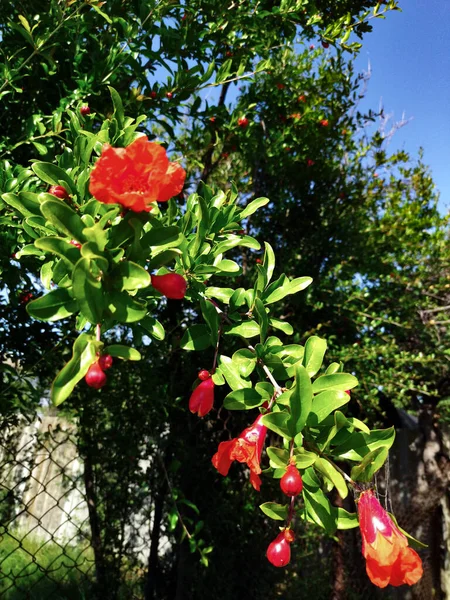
347, 392
243, 122
59, 191
153, 95
171, 285
280, 86
95, 377
325, 44
105, 361
258, 261
291, 483
85, 110
324, 122
312, 47
310, 162
169, 95
25, 297
279, 551
202, 398
204, 375
75, 243
302, 98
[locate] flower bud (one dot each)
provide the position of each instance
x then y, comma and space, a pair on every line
59, 191
105, 361
95, 377
203, 375
279, 551
291, 483
171, 285
202, 398
85, 110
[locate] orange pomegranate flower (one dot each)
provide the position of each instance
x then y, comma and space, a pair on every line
136, 176
246, 448
389, 559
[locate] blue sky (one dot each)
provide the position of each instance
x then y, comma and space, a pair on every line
409, 53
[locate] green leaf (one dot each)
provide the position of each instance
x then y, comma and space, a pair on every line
262, 318
119, 351
318, 507
87, 289
125, 309
84, 354
61, 247
212, 319
247, 329
228, 266
283, 326
300, 401
371, 463
358, 444
277, 421
245, 360
154, 327
324, 404
243, 399
231, 373
337, 381
53, 175
279, 457
253, 207
315, 349
346, 520
278, 512
196, 337
269, 261
328, 470
303, 458
57, 304
115, 97
131, 276
162, 236
281, 288
64, 219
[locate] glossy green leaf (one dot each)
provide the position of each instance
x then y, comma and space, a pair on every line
243, 399
57, 304
154, 327
120, 351
231, 373
131, 276
277, 421
328, 470
315, 349
124, 309
253, 207
303, 458
278, 512
263, 319
245, 360
371, 463
300, 401
196, 337
359, 444
247, 329
84, 354
64, 219
60, 247
337, 381
346, 520
279, 457
324, 404
53, 174
87, 289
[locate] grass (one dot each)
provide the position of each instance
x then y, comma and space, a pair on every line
33, 569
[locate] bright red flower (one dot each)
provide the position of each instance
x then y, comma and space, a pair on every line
246, 448
389, 559
136, 176
202, 398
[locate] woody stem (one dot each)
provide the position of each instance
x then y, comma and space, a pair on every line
98, 331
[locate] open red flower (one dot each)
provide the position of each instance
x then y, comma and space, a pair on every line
246, 448
136, 176
389, 559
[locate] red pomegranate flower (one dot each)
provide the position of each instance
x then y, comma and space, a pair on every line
389, 559
246, 448
136, 176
